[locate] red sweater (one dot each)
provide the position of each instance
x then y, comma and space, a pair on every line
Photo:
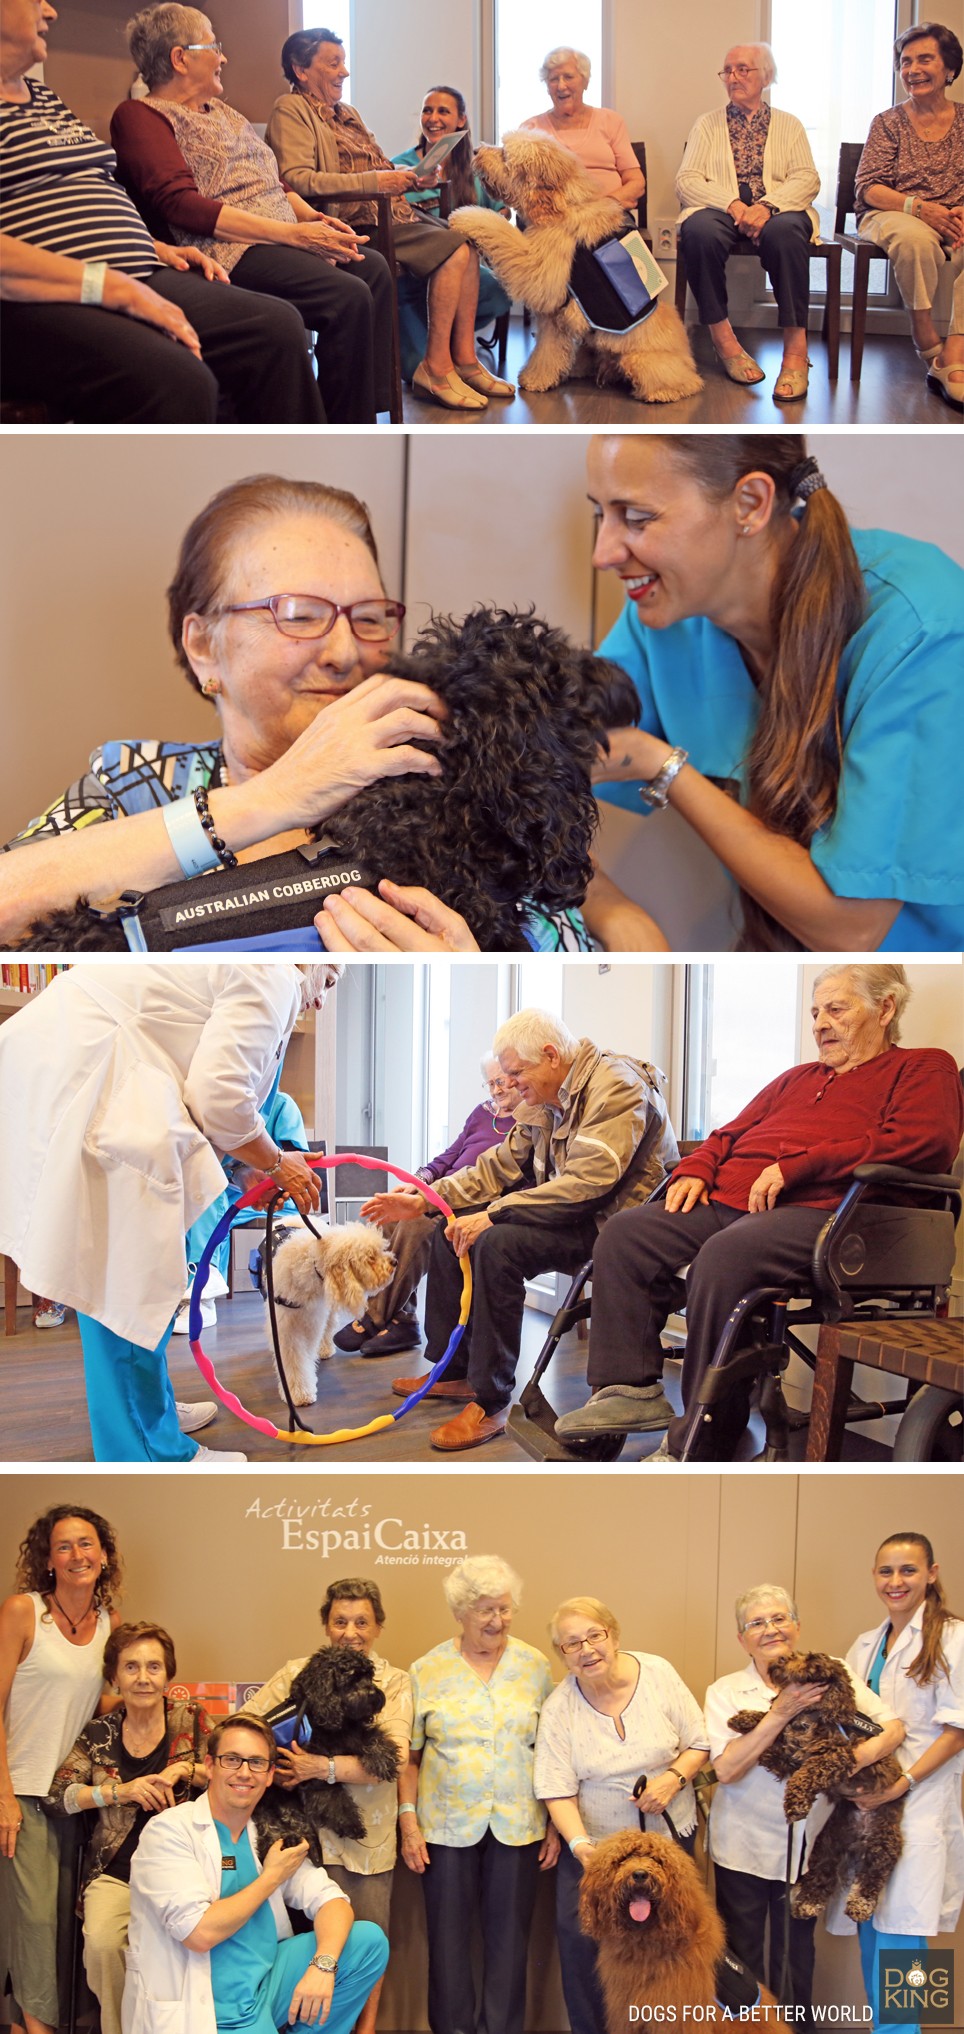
902, 1108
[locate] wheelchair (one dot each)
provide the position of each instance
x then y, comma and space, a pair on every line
885, 1253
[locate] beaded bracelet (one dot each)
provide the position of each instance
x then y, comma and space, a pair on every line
226, 856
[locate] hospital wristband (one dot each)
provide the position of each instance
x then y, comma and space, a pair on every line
98, 1797
575, 1841
195, 853
407, 1808
911, 1782
911, 204
92, 282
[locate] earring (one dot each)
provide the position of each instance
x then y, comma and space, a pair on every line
746, 530
211, 691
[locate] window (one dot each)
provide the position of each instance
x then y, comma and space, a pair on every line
742, 1029
337, 17
523, 38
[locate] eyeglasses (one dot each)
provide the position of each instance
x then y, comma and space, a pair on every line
234, 1762
738, 71
306, 617
203, 45
590, 1640
779, 1622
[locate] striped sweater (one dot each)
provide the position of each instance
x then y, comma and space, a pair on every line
707, 174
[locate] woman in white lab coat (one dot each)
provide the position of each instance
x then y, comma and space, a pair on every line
116, 1086
915, 1662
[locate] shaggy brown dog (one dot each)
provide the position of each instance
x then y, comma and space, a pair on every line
814, 1755
564, 211
660, 1938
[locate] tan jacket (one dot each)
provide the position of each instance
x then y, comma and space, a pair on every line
307, 152
609, 1148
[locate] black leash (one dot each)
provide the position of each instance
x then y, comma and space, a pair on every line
275, 1202
640, 1789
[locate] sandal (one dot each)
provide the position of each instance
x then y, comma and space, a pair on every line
797, 381
478, 377
939, 383
735, 368
448, 389
928, 354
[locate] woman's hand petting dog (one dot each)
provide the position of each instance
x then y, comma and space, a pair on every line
398, 920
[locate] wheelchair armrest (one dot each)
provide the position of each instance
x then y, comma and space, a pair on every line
901, 1175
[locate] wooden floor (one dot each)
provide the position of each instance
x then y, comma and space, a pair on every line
45, 1416
891, 390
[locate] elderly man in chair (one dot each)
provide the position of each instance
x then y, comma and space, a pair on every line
746, 1207
211, 1946
593, 1137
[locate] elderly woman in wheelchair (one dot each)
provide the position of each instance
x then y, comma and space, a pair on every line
744, 1212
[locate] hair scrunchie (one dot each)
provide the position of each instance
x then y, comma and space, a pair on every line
805, 480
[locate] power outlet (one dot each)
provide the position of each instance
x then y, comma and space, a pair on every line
664, 239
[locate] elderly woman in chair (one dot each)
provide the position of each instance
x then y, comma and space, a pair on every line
746, 1207
748, 177
910, 187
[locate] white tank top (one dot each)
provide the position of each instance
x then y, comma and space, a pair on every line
54, 1692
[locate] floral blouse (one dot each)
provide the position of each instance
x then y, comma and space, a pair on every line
95, 1762
748, 139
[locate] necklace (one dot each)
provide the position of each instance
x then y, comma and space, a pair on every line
74, 1628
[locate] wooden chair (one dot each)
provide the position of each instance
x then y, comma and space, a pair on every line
381, 236
863, 251
642, 204
829, 251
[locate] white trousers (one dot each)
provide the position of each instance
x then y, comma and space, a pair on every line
923, 273
107, 1910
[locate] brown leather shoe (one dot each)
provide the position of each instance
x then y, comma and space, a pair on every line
469, 1429
447, 1387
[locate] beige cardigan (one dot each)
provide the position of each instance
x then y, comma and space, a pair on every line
307, 152
707, 175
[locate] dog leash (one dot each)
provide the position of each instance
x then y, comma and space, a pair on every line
300, 1433
268, 1260
638, 1791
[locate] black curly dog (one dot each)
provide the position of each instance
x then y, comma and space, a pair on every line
513, 814
341, 1702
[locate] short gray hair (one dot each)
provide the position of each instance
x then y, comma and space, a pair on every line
765, 57
765, 1592
558, 56
154, 32
528, 1031
873, 985
480, 1575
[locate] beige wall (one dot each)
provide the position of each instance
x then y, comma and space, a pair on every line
670, 1555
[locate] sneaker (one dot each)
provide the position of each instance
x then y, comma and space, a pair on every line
392, 1340
350, 1339
617, 1409
47, 1314
209, 1316
191, 1418
207, 1455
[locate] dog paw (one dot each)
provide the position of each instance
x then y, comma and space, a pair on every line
535, 384
858, 1906
803, 1908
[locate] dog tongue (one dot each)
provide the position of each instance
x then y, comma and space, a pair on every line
640, 1909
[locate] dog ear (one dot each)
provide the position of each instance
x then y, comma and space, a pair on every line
594, 1900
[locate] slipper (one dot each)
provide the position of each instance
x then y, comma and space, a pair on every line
797, 380
478, 377
448, 389
392, 1340
950, 392
735, 369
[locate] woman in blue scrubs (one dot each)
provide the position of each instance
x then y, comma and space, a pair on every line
800, 684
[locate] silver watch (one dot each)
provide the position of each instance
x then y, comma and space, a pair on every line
323, 1962
655, 790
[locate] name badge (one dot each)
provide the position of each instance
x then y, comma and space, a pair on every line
228, 1864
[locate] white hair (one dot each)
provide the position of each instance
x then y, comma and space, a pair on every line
529, 1030
873, 985
766, 1592
558, 56
480, 1575
765, 57
488, 1059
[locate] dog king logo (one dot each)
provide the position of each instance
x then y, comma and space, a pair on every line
915, 1987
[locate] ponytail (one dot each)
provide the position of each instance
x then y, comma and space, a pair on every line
794, 760
931, 1660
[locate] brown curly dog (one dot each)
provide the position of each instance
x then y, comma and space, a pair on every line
660, 1938
814, 1755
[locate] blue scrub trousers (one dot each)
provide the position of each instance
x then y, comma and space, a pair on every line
133, 1417
872, 1940
360, 1965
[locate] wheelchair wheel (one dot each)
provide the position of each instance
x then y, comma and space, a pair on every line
932, 1429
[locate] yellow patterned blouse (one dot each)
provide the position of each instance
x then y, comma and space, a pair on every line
477, 1740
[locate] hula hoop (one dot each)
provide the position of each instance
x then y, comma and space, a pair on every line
303, 1436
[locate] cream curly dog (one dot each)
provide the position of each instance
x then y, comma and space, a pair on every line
564, 211
320, 1283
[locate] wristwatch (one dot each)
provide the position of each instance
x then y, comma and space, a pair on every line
325, 1963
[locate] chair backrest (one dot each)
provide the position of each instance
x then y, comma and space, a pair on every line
849, 157
352, 1184
639, 151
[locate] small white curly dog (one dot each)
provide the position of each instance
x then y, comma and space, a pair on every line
320, 1283
564, 211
